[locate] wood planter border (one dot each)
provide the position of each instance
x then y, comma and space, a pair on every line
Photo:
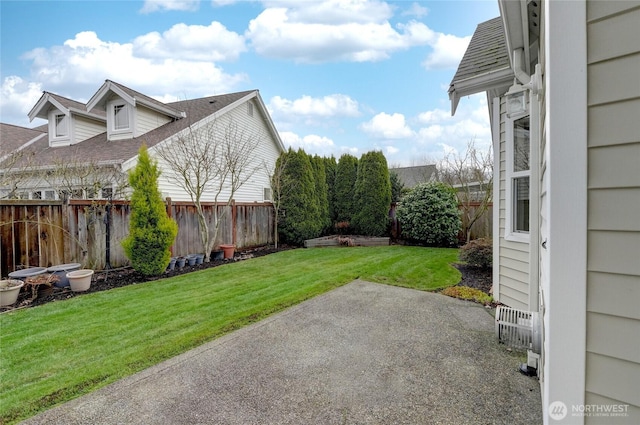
357, 241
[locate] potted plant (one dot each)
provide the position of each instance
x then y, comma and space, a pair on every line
217, 254
80, 280
9, 290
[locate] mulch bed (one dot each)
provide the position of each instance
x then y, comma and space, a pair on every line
109, 279
476, 277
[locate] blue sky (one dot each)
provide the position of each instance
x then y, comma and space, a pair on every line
338, 76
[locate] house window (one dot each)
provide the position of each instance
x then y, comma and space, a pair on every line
250, 109
61, 126
107, 192
49, 194
36, 195
519, 175
266, 194
120, 117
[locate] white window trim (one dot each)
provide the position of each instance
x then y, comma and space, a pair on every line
510, 175
111, 120
53, 128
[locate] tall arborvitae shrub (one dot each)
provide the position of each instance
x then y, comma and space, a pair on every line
372, 195
346, 175
330, 166
322, 192
429, 215
151, 231
300, 218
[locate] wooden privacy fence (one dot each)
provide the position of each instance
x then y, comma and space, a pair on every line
45, 233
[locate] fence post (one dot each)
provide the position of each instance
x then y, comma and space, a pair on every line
169, 207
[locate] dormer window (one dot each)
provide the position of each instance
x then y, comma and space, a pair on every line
120, 117
61, 125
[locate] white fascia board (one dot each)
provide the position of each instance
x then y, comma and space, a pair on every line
39, 110
270, 124
86, 114
103, 91
479, 83
511, 13
165, 110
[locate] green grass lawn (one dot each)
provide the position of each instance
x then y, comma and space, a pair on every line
60, 350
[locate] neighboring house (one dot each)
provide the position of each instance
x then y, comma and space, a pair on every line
563, 87
411, 176
86, 150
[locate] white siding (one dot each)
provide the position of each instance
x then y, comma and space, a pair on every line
147, 119
262, 159
613, 262
85, 128
513, 256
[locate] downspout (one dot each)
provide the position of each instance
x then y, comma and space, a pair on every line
518, 67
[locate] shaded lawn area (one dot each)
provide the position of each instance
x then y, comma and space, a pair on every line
58, 351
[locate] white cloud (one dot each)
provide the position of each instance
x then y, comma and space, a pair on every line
181, 5
385, 126
193, 42
327, 106
84, 61
441, 133
434, 116
17, 98
416, 10
311, 144
390, 150
332, 31
447, 51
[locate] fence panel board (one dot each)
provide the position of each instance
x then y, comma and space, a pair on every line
45, 233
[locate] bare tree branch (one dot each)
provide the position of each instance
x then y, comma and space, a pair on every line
471, 175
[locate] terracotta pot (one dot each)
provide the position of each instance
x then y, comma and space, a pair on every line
80, 280
9, 290
228, 250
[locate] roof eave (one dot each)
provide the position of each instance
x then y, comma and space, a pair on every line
489, 80
39, 110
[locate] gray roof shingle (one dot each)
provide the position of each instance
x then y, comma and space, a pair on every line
487, 51
99, 149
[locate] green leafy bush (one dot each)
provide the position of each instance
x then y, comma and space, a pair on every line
151, 231
372, 195
478, 252
429, 215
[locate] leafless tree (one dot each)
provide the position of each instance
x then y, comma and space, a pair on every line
81, 178
471, 175
14, 175
210, 162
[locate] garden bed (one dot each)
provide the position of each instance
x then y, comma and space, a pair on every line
346, 240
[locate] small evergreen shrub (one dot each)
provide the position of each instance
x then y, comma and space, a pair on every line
478, 252
151, 231
429, 215
372, 195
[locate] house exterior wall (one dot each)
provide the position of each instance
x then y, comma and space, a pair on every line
86, 128
613, 232
265, 154
512, 267
147, 119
